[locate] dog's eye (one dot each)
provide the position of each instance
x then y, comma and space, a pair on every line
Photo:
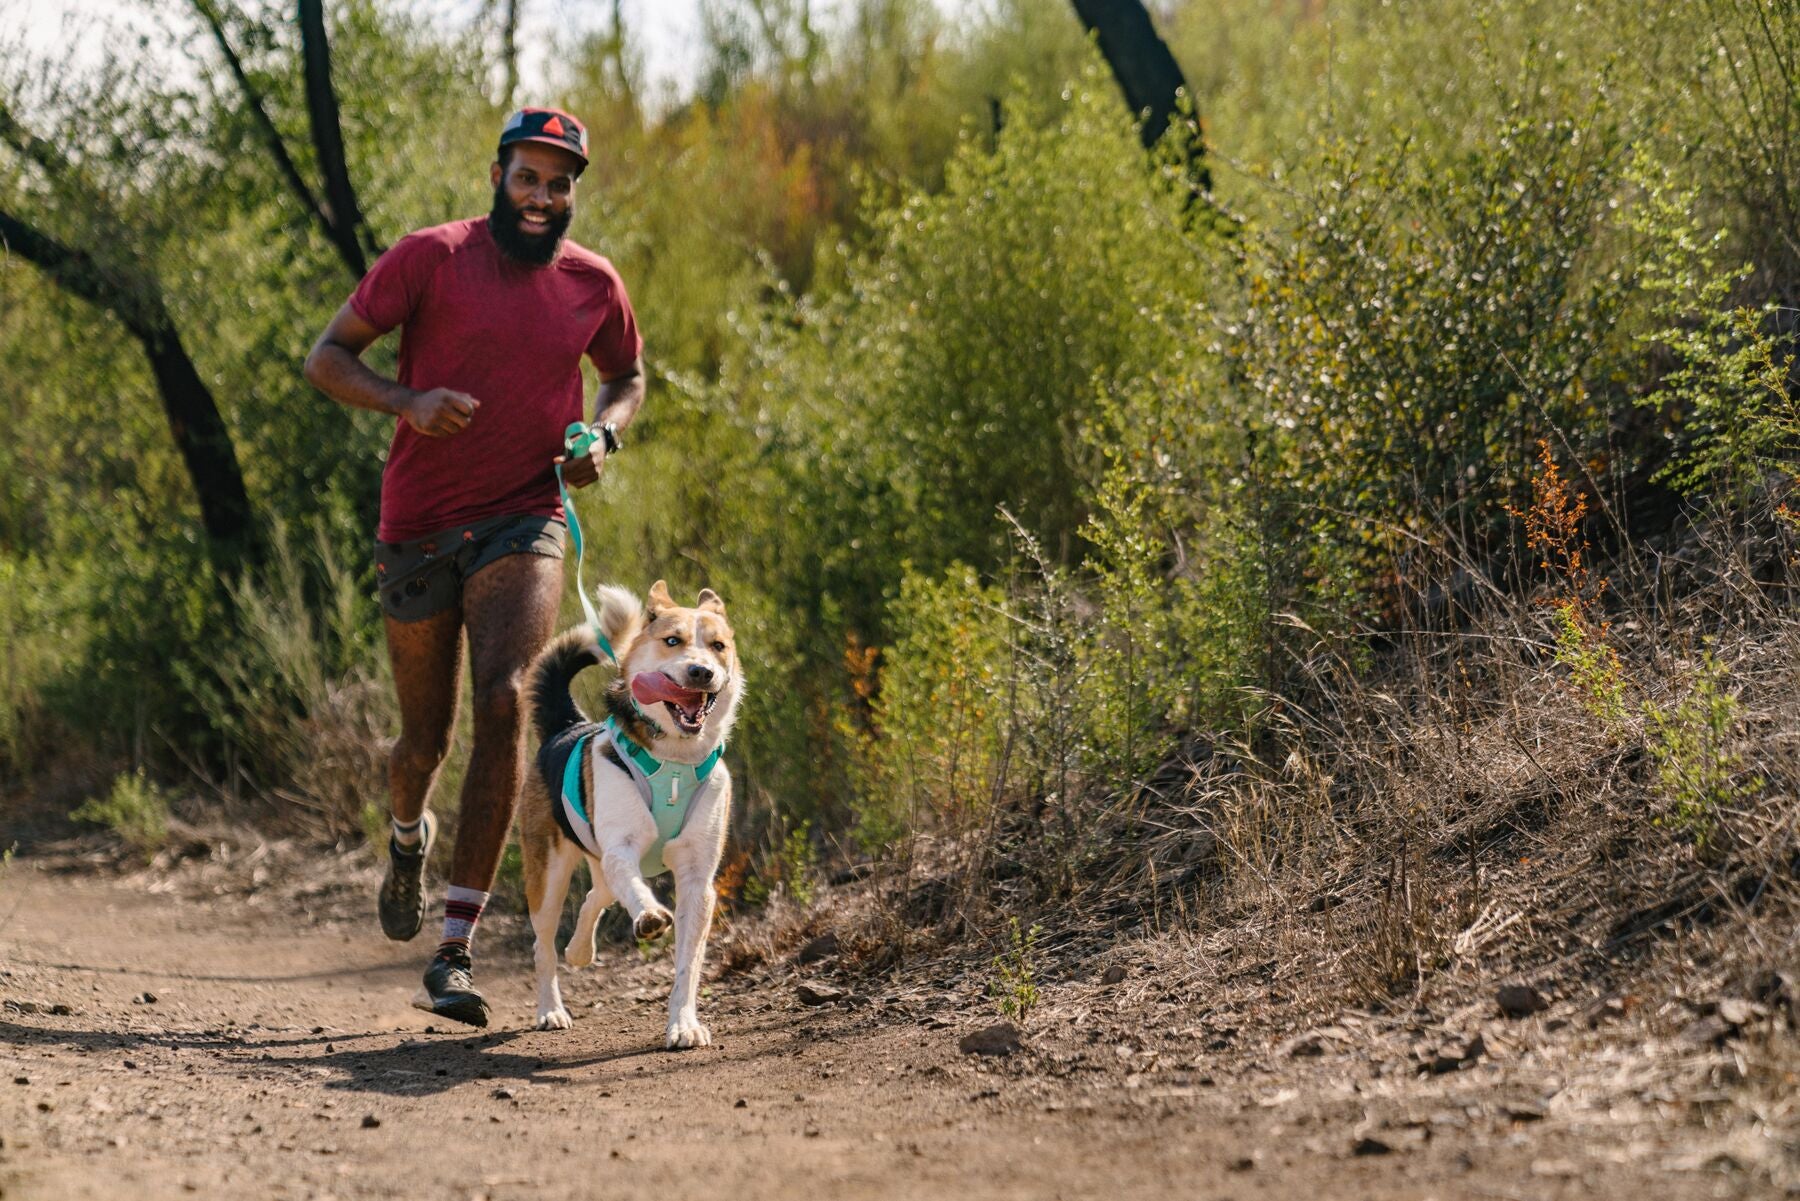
718, 648
671, 640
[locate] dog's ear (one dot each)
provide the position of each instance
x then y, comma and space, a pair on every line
659, 597
709, 600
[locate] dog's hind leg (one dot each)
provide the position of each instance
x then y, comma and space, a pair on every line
580, 951
559, 865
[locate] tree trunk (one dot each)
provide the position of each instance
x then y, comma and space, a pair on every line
1146, 72
193, 417
349, 231
509, 49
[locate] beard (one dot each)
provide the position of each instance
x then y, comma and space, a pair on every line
534, 250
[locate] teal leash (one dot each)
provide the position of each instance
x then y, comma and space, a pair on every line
578, 440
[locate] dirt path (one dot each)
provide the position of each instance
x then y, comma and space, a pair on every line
278, 1058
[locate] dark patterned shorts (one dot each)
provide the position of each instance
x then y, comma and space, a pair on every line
421, 578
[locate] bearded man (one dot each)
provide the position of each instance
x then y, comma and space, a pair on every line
496, 313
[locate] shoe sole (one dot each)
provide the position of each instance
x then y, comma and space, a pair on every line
426, 844
468, 1008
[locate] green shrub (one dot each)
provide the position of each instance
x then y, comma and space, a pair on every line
1727, 396
1697, 767
135, 809
1423, 318
931, 753
1013, 985
300, 690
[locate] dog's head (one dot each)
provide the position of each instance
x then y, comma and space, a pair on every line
679, 664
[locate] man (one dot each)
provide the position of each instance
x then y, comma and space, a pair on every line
496, 313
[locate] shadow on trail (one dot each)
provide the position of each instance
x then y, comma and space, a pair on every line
433, 1065
367, 969
387, 1063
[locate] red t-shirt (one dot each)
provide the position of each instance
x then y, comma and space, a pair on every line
509, 335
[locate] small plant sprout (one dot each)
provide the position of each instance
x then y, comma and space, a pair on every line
1013, 985
1697, 767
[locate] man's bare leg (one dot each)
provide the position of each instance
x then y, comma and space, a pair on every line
510, 608
427, 660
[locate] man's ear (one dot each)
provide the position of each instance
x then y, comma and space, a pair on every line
494, 174
659, 596
709, 600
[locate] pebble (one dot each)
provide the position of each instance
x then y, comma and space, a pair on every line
812, 992
1002, 1038
1520, 1000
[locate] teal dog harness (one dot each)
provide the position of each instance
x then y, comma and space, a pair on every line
668, 789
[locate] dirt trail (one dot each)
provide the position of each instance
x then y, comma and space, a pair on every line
279, 1058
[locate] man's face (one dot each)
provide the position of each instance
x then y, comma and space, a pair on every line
534, 200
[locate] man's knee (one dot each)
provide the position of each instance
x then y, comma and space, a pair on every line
421, 753
500, 704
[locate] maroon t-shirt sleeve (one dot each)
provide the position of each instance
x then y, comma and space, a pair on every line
392, 289
616, 345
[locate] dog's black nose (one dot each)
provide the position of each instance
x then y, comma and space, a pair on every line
700, 673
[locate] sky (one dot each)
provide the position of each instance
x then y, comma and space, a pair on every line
79, 31
665, 32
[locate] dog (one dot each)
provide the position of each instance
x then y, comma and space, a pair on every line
670, 709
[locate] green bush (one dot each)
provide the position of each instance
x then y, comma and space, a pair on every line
135, 809
301, 690
1422, 319
931, 752
1698, 769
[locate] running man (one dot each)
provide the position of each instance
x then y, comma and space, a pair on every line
495, 313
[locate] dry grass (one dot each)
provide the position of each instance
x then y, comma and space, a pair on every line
1403, 839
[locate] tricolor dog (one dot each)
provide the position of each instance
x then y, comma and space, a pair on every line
643, 792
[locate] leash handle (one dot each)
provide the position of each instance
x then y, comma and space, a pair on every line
579, 439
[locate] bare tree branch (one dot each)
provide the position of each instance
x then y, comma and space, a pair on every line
509, 51
349, 231
284, 162
194, 420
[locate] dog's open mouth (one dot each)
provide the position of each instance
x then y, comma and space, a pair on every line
687, 706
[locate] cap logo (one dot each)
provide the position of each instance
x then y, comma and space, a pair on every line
553, 126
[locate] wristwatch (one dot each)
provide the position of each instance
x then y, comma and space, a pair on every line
609, 434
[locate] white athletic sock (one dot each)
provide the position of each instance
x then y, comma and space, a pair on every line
408, 834
462, 909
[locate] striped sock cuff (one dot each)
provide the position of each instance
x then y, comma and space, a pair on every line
462, 909
408, 834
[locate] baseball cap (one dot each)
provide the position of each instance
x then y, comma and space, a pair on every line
551, 126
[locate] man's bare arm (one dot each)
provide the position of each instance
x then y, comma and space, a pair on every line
334, 366
620, 396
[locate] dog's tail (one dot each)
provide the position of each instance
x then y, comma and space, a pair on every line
553, 707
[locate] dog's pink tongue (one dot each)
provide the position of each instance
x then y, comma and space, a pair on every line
652, 686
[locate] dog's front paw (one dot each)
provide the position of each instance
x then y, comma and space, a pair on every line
688, 1032
652, 923
579, 953
554, 1019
